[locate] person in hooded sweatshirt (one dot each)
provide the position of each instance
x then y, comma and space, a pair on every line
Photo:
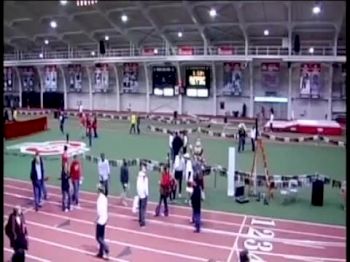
142, 192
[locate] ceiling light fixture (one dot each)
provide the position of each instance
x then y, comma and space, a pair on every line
53, 24
212, 12
155, 50
124, 18
316, 9
86, 2
46, 42
106, 37
41, 55
311, 50
266, 32
179, 34
63, 2
93, 53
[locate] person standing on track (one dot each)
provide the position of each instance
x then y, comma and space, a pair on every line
133, 120
124, 180
188, 176
75, 174
179, 168
142, 192
196, 199
16, 231
103, 172
37, 176
102, 217
66, 198
164, 189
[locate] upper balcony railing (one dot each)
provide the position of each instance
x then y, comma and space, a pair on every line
260, 51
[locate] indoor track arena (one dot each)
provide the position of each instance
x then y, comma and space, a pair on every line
177, 131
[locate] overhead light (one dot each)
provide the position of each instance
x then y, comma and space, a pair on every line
86, 2
155, 51
212, 12
266, 32
106, 37
316, 9
124, 18
53, 24
311, 50
41, 55
93, 53
179, 34
63, 2
46, 42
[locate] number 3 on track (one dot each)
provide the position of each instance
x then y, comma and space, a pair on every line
256, 245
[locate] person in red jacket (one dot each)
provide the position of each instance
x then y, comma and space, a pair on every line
94, 126
75, 174
164, 189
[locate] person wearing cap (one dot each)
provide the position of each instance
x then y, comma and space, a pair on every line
102, 218
142, 192
103, 171
16, 231
75, 174
37, 177
124, 180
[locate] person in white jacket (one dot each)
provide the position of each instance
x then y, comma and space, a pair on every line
188, 176
179, 168
102, 218
142, 192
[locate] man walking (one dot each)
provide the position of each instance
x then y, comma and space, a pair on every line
37, 177
142, 192
253, 137
176, 145
103, 172
196, 199
65, 189
75, 174
102, 217
179, 168
241, 137
133, 120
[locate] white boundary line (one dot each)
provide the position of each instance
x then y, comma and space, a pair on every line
279, 240
181, 226
203, 210
28, 256
234, 247
118, 242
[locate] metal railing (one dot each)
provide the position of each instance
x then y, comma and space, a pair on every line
195, 51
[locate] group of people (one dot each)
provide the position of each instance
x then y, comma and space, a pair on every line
242, 134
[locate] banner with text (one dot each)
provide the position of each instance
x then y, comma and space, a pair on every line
8, 78
101, 78
310, 83
51, 78
28, 79
233, 79
270, 76
130, 78
75, 78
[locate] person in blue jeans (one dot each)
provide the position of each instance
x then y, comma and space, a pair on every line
196, 200
37, 176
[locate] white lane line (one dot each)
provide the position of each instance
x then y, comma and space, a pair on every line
181, 226
278, 240
163, 252
28, 256
234, 247
205, 210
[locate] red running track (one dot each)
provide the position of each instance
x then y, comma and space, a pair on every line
55, 235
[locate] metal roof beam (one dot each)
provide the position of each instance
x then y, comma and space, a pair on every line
242, 24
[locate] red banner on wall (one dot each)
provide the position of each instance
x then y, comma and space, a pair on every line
185, 50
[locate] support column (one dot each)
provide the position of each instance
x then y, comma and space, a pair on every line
214, 90
289, 105
41, 88
251, 87
90, 88
117, 85
147, 89
179, 80
330, 83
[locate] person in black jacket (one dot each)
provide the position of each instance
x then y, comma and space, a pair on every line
66, 198
241, 138
196, 200
124, 180
16, 231
37, 176
177, 145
